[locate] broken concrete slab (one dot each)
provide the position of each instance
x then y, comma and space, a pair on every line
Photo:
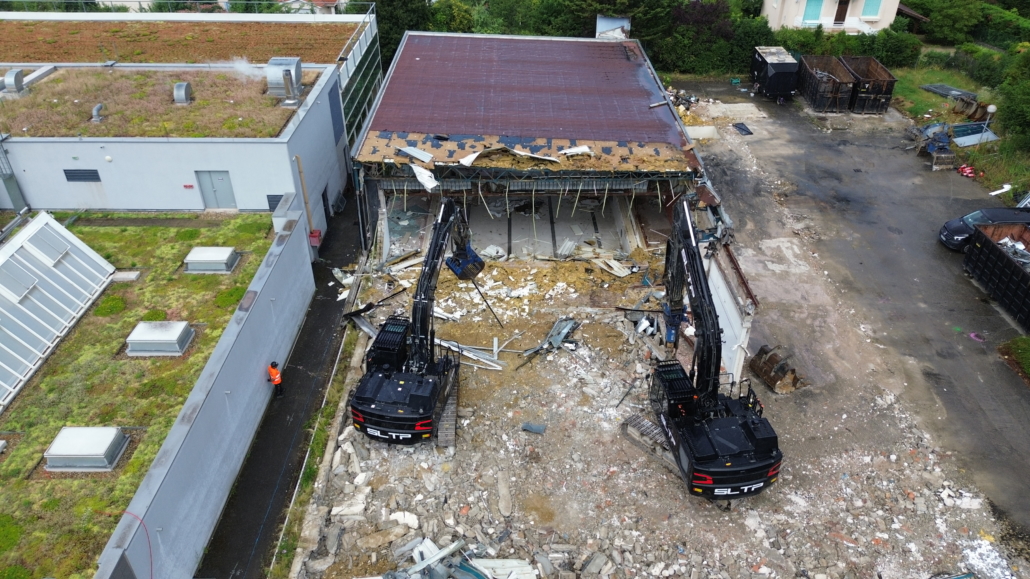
503, 494
376, 540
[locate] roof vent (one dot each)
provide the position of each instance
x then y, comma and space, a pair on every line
159, 339
96, 113
182, 93
86, 449
211, 260
283, 74
14, 81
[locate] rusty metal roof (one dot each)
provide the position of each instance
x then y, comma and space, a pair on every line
572, 89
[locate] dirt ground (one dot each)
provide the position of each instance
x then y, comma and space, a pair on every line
865, 490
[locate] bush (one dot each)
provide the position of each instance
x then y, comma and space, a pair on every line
230, 297
901, 24
155, 316
937, 59
895, 50
110, 306
985, 66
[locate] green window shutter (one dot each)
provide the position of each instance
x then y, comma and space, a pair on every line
813, 8
871, 9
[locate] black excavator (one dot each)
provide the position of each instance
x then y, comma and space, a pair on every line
409, 392
720, 443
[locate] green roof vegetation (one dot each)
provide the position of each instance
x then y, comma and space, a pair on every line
57, 524
139, 104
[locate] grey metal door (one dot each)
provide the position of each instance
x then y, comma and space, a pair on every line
216, 188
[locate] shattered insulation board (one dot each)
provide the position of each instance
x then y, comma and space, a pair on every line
529, 153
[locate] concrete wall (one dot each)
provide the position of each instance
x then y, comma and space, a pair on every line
182, 495
790, 14
159, 174
322, 155
146, 174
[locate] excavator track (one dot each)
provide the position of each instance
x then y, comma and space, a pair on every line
647, 436
445, 432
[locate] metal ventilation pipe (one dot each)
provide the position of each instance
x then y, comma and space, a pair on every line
291, 91
96, 113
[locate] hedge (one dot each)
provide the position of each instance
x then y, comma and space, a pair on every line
1001, 27
891, 48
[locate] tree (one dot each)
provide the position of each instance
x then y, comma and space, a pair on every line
394, 18
751, 9
1022, 7
650, 19
701, 39
951, 21
517, 15
747, 34
452, 16
553, 18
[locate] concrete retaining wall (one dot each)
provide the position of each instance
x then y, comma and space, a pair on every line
182, 496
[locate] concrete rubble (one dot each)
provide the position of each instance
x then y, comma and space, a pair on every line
578, 501
864, 491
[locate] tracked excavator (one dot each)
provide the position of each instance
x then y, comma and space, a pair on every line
720, 443
409, 392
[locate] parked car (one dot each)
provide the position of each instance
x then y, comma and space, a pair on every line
955, 233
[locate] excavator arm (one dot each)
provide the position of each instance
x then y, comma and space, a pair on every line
464, 263
685, 274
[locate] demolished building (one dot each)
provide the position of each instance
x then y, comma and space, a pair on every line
512, 116
551, 146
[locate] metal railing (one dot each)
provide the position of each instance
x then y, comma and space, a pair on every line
5, 164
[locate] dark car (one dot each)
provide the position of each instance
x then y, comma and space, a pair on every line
955, 233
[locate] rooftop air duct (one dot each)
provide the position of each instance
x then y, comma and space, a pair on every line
96, 113
14, 81
283, 75
182, 93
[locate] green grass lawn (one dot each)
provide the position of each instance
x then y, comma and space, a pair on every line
1000, 161
917, 101
58, 527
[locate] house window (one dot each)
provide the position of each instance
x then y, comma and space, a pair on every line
82, 175
813, 9
871, 9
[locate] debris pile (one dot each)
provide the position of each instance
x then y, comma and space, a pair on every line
542, 476
1017, 251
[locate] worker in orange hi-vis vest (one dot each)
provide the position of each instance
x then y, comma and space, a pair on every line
276, 378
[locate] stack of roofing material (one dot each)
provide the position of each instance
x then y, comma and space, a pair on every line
826, 84
874, 85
